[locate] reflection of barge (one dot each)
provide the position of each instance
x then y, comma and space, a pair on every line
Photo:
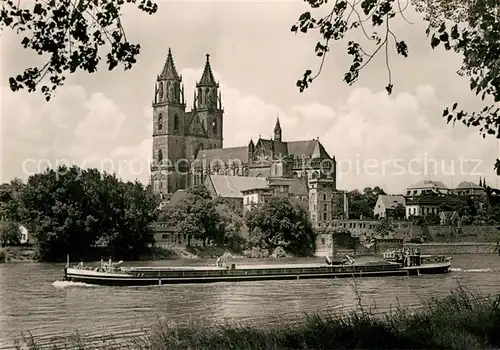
116, 275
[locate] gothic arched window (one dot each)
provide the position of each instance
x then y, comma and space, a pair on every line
206, 96
160, 122
160, 91
176, 122
214, 127
160, 156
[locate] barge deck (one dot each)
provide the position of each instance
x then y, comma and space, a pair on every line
115, 275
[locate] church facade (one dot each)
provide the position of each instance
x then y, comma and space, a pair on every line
188, 145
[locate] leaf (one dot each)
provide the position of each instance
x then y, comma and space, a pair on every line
434, 41
389, 88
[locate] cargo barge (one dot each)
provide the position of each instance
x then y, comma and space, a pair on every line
113, 274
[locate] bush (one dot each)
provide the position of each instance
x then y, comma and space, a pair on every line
256, 253
279, 252
3, 257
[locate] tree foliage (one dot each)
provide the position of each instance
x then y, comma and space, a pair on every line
73, 35
196, 215
281, 222
399, 212
71, 210
11, 207
470, 28
384, 228
9, 233
361, 204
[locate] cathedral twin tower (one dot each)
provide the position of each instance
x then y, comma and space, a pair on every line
178, 134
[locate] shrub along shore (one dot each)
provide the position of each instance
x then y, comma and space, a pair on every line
461, 320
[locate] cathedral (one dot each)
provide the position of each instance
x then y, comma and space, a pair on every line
188, 145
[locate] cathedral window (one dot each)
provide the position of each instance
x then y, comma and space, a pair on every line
176, 122
160, 156
160, 91
214, 127
160, 122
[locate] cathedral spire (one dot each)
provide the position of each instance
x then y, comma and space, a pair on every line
169, 71
277, 130
207, 78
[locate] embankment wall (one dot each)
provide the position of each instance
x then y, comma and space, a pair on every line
455, 248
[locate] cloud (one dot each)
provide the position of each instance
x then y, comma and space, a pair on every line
377, 139
75, 128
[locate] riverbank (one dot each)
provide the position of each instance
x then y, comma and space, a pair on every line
462, 320
27, 254
17, 254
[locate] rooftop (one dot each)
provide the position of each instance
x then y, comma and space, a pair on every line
231, 186
391, 201
428, 184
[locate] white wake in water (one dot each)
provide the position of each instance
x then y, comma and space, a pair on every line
67, 284
458, 269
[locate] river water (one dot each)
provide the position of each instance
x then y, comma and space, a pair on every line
33, 298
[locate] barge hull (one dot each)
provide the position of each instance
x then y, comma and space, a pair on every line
123, 279
141, 281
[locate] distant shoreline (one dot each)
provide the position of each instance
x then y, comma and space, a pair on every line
26, 254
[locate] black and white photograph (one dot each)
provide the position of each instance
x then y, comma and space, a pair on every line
249, 174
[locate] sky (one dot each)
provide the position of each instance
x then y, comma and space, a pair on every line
104, 119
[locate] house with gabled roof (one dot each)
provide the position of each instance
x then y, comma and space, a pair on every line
386, 204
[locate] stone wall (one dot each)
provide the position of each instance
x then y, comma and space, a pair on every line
467, 233
454, 248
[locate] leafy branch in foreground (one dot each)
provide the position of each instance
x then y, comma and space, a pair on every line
72, 33
347, 15
470, 28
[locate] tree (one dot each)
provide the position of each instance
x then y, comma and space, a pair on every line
361, 204
453, 203
383, 228
230, 228
11, 205
282, 222
71, 211
470, 28
399, 212
197, 216
9, 233
73, 34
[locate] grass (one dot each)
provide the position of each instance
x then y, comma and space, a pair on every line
462, 320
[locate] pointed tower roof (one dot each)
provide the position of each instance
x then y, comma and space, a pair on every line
207, 78
169, 71
277, 127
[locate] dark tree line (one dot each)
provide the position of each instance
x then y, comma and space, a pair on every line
74, 211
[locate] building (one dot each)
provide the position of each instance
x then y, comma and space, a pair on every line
424, 205
427, 187
229, 188
188, 145
467, 188
386, 204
